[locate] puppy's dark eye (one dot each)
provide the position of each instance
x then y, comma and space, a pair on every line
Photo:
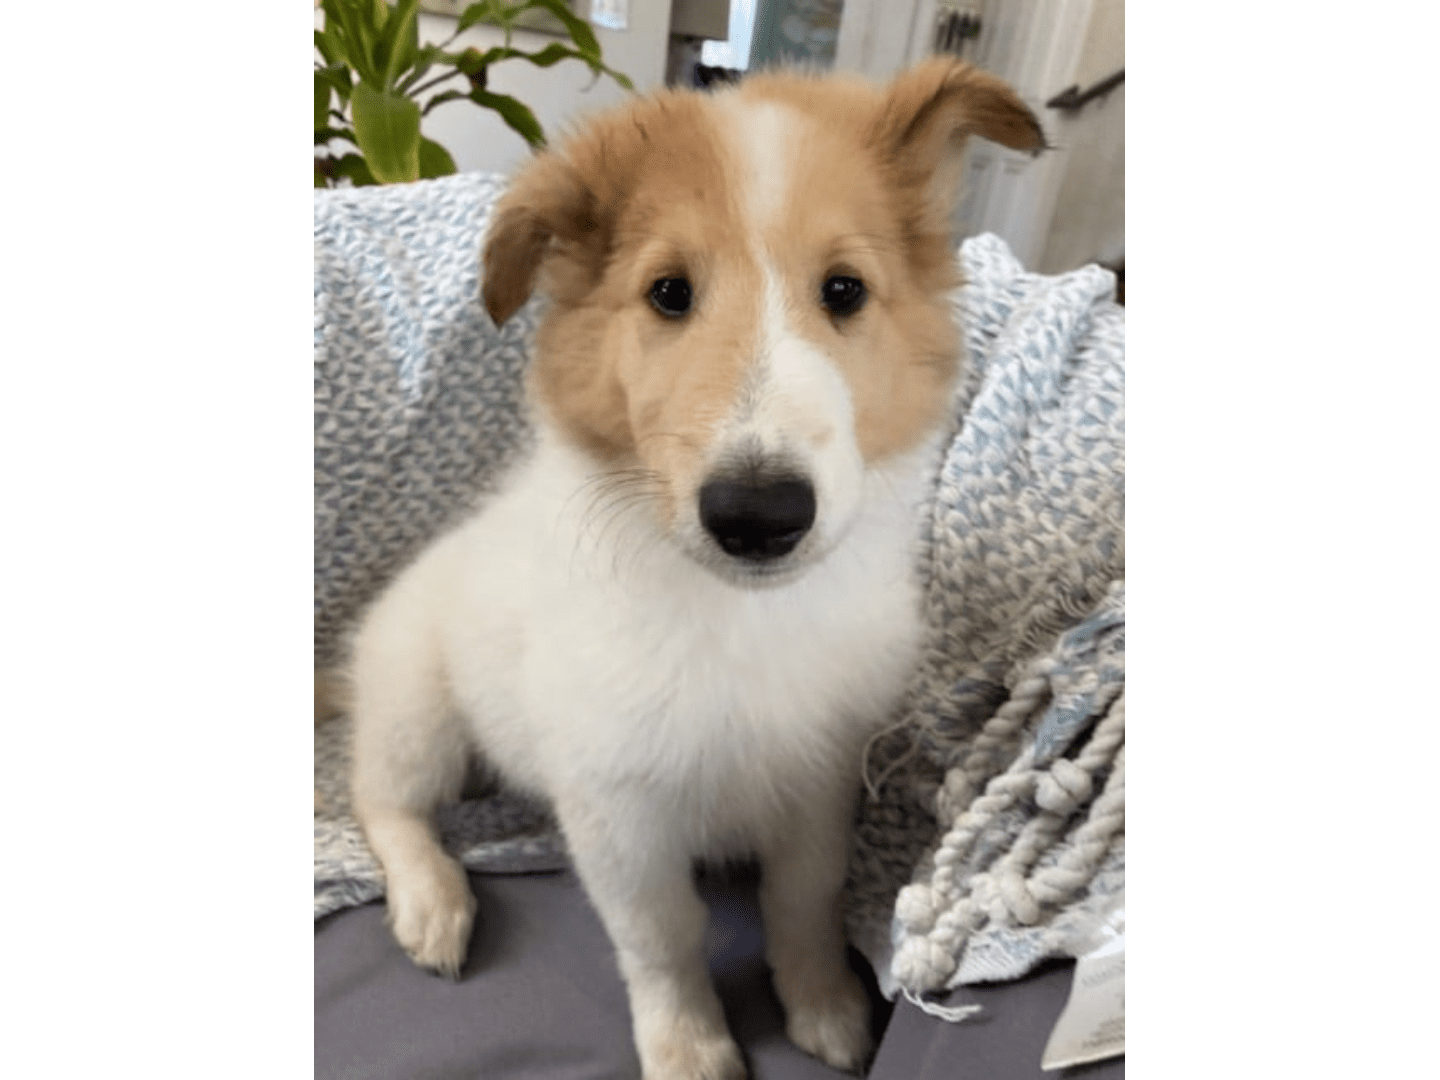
842, 295
671, 296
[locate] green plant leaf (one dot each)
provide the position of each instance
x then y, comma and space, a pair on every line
328, 47
353, 24
579, 30
394, 51
339, 79
353, 166
332, 43
513, 112
485, 11
435, 160
550, 55
334, 33
554, 53
440, 99
410, 46
324, 135
424, 59
472, 60
387, 127
323, 91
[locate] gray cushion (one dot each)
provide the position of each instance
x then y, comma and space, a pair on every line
541, 999
540, 996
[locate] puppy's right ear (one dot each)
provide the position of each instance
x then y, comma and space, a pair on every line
548, 209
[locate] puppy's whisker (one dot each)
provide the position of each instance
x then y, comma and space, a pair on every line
615, 500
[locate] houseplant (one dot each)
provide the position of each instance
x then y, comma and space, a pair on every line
372, 73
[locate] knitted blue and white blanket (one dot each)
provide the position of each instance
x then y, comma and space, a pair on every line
995, 819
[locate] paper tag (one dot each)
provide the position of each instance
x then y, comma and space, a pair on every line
1092, 1026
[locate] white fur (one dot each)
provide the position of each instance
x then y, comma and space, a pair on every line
669, 705
760, 135
795, 409
667, 713
585, 651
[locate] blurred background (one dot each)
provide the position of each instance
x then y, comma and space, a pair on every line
1059, 211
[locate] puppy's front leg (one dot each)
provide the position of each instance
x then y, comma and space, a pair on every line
410, 755
827, 1012
640, 883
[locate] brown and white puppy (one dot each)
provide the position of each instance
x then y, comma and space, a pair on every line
684, 614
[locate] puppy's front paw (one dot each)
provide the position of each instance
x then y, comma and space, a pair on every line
833, 1025
431, 915
681, 1056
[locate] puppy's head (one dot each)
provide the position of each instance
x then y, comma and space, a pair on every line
750, 295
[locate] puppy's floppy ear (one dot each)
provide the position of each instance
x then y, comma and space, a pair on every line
547, 208
929, 112
935, 105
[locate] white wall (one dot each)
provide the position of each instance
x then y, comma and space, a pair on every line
1066, 208
479, 140
879, 38
1089, 221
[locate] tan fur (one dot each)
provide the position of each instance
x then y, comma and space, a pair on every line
701, 683
649, 190
624, 382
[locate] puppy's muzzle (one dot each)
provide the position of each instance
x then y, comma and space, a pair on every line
757, 519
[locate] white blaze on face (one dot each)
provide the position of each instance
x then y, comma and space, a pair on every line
796, 406
798, 395
762, 137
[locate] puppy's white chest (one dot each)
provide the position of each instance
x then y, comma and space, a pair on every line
613, 663
692, 679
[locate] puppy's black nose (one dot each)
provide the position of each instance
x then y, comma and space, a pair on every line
757, 519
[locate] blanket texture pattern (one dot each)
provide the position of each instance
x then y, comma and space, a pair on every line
993, 827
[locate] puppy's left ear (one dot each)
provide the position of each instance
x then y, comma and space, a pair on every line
927, 115
547, 210
932, 108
